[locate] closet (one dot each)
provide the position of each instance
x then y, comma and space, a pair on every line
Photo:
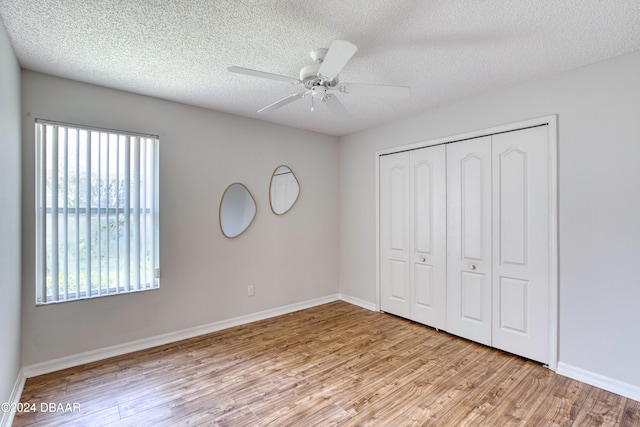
464, 233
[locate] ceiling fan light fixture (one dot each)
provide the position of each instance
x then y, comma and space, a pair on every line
321, 76
319, 91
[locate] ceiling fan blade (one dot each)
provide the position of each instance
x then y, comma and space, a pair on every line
339, 53
262, 74
398, 92
279, 104
336, 107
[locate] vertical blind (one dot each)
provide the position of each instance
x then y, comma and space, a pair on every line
97, 212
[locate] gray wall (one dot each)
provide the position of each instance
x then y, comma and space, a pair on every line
289, 259
10, 217
598, 110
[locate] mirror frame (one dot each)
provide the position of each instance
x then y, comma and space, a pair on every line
271, 187
220, 210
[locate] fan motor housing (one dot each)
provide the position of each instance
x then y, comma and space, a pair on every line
309, 74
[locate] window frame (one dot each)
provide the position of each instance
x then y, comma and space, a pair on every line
150, 211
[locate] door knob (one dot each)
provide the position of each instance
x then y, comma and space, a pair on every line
472, 266
423, 259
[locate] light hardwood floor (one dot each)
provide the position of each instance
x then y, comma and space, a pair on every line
336, 364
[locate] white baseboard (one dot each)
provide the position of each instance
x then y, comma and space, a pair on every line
359, 302
614, 386
145, 343
7, 417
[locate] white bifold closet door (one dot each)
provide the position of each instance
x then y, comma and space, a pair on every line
521, 276
498, 241
469, 306
413, 235
464, 239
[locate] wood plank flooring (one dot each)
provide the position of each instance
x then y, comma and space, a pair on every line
332, 365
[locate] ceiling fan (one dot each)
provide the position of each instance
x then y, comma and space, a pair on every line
321, 77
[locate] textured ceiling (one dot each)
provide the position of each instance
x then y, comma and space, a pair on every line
444, 50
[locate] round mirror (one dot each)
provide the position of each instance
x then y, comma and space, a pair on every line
284, 190
237, 210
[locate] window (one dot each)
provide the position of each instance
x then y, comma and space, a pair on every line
97, 212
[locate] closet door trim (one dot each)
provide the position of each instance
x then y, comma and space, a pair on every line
551, 123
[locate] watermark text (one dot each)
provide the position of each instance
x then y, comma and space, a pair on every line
40, 407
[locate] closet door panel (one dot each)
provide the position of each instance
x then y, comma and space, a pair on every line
425, 289
395, 253
521, 243
469, 239
513, 295
472, 289
428, 219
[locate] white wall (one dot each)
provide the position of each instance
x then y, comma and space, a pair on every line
598, 109
10, 218
289, 259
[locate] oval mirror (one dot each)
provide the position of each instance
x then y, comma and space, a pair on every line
284, 190
237, 210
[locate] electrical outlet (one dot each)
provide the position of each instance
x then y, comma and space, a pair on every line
251, 291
